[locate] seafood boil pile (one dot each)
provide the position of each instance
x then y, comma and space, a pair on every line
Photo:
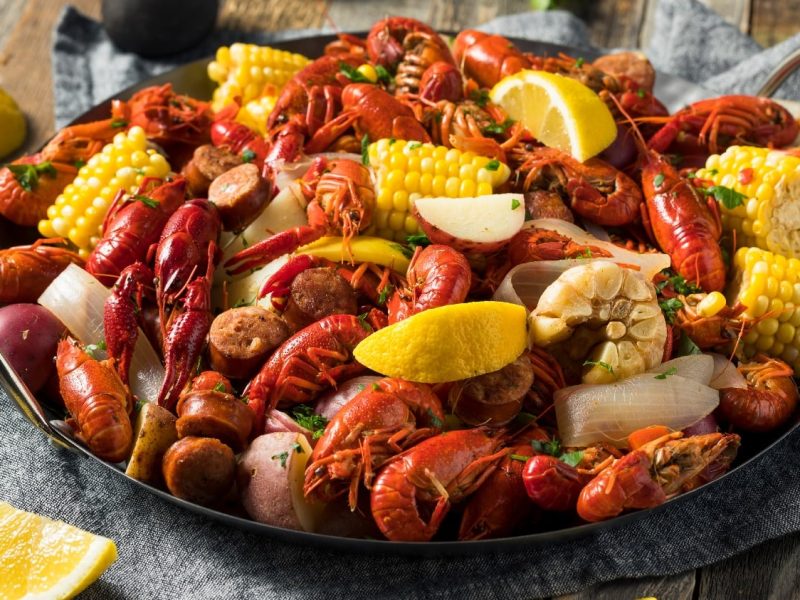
415, 288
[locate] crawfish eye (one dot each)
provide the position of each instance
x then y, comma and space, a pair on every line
355, 216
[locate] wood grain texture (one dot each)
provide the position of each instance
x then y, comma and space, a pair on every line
773, 21
616, 23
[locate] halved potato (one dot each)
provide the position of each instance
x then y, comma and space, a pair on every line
153, 433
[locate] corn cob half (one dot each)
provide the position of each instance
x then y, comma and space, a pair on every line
768, 284
768, 216
79, 211
245, 70
405, 171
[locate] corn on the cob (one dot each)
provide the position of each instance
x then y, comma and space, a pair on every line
768, 285
406, 171
243, 71
769, 216
254, 114
79, 211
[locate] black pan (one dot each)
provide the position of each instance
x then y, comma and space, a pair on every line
192, 79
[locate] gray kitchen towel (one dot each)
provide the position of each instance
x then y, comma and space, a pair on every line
166, 552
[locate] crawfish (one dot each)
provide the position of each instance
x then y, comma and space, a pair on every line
186, 334
487, 58
313, 359
187, 246
416, 73
386, 40
710, 126
768, 400
433, 474
727, 326
374, 114
437, 275
533, 244
29, 185
594, 189
655, 472
379, 422
166, 117
121, 312
26, 271
342, 200
97, 401
684, 226
132, 225
548, 378
501, 504
238, 138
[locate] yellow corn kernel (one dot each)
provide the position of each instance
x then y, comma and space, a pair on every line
711, 304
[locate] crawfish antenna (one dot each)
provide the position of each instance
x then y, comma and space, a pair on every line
637, 134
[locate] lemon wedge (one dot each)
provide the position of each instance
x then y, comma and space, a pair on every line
364, 248
448, 343
558, 111
42, 558
12, 124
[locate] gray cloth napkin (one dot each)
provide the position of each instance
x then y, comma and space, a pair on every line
166, 552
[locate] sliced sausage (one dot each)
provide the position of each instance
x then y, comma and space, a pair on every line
241, 339
215, 414
199, 470
493, 398
208, 162
316, 294
542, 204
239, 194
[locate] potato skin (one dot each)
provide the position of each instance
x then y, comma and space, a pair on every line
29, 334
200, 470
154, 433
437, 236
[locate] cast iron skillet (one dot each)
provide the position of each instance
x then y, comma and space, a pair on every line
192, 79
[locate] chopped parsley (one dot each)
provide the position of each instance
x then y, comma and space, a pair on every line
573, 459
28, 175
362, 320
79, 164
384, 295
305, 416
498, 128
678, 283
146, 200
658, 180
418, 239
728, 197
514, 204
117, 123
365, 150
686, 347
248, 155
667, 373
353, 74
579, 62
414, 145
93, 349
599, 363
297, 448
435, 421
480, 97
281, 457
492, 165
670, 309
550, 447
375, 387
640, 92
220, 387
383, 75
519, 457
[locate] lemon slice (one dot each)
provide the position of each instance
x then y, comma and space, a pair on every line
364, 248
42, 558
448, 343
558, 111
12, 124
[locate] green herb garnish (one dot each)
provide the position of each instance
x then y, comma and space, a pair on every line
281, 457
498, 128
384, 295
305, 416
573, 459
519, 457
480, 97
219, 387
658, 180
514, 204
28, 175
418, 239
667, 373
383, 74
117, 123
362, 320
492, 165
599, 363
297, 448
248, 155
146, 200
353, 74
728, 197
551, 447
670, 308
365, 150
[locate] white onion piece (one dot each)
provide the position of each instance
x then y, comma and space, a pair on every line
726, 375
244, 291
610, 412
698, 367
525, 283
278, 421
329, 404
77, 298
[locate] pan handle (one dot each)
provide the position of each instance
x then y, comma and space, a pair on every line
779, 74
28, 405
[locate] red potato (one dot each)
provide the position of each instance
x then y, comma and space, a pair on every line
270, 477
29, 334
481, 224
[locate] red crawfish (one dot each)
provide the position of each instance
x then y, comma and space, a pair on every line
386, 40
414, 491
97, 401
342, 201
26, 271
767, 402
186, 334
376, 424
312, 360
132, 225
437, 275
655, 472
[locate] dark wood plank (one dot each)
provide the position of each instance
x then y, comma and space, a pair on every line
770, 571
270, 15
674, 587
773, 21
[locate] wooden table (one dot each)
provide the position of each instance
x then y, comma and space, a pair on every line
771, 570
